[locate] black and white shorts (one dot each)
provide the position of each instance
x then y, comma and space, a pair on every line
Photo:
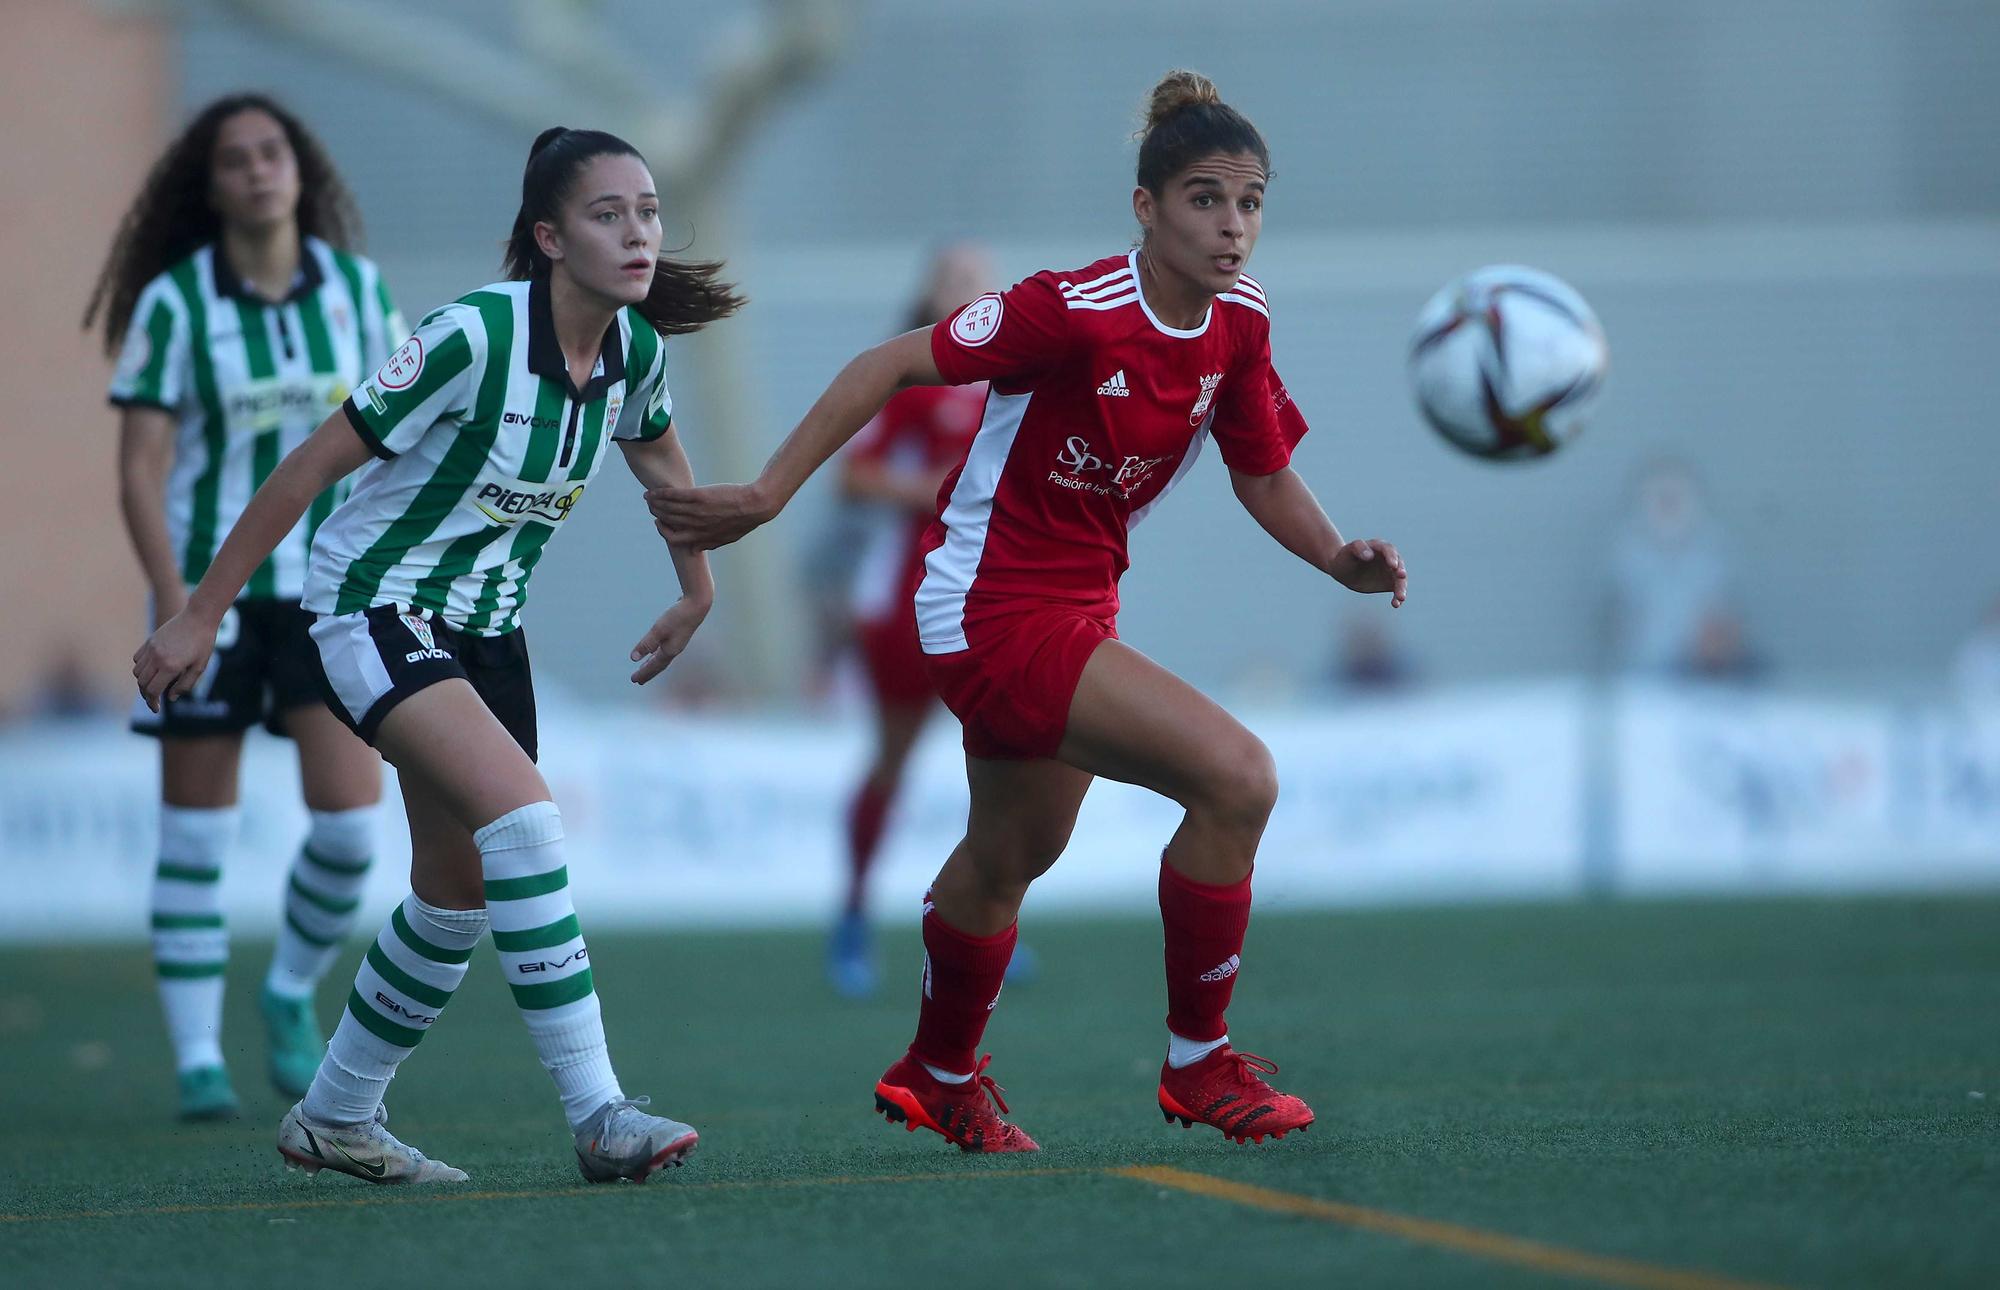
264, 665
372, 660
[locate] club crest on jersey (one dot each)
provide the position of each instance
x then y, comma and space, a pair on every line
1208, 384
420, 627
978, 322
404, 366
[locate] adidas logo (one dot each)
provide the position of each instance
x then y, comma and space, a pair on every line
1115, 387
1223, 970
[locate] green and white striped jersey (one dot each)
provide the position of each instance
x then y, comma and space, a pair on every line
485, 447
249, 380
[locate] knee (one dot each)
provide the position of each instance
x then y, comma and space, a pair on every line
1007, 864
1242, 788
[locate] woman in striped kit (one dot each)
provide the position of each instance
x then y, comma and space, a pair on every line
486, 426
245, 317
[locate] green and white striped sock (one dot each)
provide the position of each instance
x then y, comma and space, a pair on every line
321, 898
408, 975
543, 956
190, 941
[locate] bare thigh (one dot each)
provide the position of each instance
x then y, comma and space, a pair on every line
1020, 820
337, 771
200, 772
1133, 721
461, 771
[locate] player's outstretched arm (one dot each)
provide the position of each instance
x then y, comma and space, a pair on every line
1286, 508
171, 661
706, 518
663, 463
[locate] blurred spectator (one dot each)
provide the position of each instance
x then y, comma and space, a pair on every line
1672, 610
64, 690
1366, 658
1976, 667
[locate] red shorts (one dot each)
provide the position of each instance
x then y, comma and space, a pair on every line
894, 660
1012, 685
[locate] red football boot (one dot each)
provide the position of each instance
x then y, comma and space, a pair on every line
959, 1112
1225, 1089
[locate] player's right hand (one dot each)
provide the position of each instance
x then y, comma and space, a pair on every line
702, 519
170, 663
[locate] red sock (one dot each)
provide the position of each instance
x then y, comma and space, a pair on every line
866, 815
962, 976
1205, 926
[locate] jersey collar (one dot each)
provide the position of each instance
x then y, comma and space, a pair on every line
1176, 332
545, 356
228, 286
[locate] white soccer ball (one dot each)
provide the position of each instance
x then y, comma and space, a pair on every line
1505, 362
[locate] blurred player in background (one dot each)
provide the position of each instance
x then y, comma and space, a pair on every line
895, 465
245, 317
486, 427
1105, 381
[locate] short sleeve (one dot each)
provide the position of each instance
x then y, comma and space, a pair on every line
1254, 414
649, 408
153, 366
1009, 336
431, 377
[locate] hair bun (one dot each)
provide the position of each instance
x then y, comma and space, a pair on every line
1179, 89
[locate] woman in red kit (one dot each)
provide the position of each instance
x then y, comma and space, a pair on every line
896, 463
1104, 382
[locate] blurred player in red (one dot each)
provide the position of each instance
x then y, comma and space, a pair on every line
896, 464
1105, 382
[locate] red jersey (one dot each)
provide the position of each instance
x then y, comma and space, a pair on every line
1095, 410
926, 428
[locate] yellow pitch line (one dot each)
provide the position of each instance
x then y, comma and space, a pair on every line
404, 1195
1465, 1240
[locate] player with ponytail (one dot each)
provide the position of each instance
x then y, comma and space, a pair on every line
480, 435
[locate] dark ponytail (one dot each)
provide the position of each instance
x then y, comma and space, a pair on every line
1187, 120
686, 295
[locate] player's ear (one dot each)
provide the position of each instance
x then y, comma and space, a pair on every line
547, 239
1143, 206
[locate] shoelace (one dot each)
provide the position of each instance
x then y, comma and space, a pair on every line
982, 1081
1247, 1067
611, 1113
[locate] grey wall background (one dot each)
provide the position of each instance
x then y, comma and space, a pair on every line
1787, 213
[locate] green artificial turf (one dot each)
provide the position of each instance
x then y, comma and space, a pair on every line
1778, 1091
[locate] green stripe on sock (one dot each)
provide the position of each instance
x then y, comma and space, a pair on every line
419, 946
380, 1026
536, 884
332, 865
189, 971
555, 994
538, 938
185, 922
318, 901
183, 873
307, 935
402, 981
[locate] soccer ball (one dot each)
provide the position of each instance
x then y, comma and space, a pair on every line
1505, 362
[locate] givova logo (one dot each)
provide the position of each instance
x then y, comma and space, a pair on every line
509, 501
427, 646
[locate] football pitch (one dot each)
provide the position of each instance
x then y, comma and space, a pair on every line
1658, 1094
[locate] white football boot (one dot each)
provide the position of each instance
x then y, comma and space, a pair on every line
367, 1151
622, 1142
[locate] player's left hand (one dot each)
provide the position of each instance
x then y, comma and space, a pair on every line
666, 638
702, 519
1370, 564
